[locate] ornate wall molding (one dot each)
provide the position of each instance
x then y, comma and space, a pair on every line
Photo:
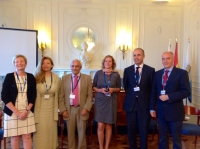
71, 17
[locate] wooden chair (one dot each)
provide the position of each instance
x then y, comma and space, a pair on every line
61, 124
121, 114
90, 121
121, 121
153, 126
192, 129
90, 125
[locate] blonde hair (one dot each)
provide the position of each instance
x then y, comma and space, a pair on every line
39, 72
113, 62
17, 56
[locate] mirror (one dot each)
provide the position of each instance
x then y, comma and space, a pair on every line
83, 34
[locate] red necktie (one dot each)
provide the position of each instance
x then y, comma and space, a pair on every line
75, 91
165, 77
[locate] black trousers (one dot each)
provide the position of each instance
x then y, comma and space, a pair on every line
138, 120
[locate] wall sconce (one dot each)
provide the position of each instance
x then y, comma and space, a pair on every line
124, 39
43, 41
123, 49
42, 47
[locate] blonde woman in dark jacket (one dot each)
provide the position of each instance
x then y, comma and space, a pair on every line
18, 94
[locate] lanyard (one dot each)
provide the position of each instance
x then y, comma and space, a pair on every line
163, 84
47, 89
105, 84
73, 87
137, 80
24, 83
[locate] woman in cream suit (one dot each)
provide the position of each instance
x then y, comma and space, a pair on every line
46, 106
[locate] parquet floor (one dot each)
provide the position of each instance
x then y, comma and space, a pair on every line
122, 142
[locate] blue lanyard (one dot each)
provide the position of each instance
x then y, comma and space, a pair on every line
47, 89
24, 83
137, 80
105, 84
73, 87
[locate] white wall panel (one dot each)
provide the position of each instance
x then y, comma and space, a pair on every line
42, 22
124, 15
157, 26
192, 31
13, 14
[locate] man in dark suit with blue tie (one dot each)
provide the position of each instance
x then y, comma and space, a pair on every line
138, 80
170, 87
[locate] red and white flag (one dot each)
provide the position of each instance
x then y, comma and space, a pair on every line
176, 56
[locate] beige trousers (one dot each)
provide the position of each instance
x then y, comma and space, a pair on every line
73, 123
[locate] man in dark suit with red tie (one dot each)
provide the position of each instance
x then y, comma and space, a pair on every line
170, 87
138, 80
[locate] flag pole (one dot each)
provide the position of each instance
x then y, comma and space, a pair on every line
169, 46
176, 64
187, 66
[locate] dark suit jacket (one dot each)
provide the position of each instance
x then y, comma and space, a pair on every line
9, 91
177, 88
145, 88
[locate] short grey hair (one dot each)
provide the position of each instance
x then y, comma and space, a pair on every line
77, 61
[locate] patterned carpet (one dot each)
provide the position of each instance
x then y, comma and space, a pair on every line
122, 142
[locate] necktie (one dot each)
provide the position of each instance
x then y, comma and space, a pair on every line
75, 91
137, 75
165, 77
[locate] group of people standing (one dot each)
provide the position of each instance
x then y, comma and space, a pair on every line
32, 102
157, 94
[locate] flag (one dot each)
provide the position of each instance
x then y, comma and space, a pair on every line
190, 97
187, 67
187, 58
169, 46
176, 56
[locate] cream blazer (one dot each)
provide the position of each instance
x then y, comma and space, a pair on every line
56, 81
85, 94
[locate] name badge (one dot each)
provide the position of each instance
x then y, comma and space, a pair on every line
108, 95
71, 101
136, 89
46, 96
71, 96
162, 92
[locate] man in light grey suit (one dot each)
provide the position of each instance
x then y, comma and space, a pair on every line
75, 103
